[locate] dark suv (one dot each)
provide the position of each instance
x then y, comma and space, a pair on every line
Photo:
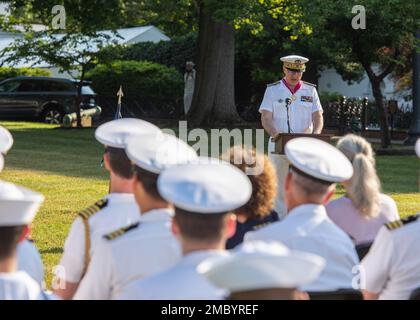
48, 99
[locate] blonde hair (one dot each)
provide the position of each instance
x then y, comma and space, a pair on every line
262, 174
365, 187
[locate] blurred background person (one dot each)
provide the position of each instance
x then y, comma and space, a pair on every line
258, 211
189, 80
363, 210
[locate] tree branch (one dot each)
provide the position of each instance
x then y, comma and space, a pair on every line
390, 66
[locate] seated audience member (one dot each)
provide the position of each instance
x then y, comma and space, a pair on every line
364, 209
204, 195
18, 207
258, 211
315, 167
391, 269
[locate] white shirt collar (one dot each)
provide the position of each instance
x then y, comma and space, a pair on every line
120, 197
308, 210
194, 258
157, 215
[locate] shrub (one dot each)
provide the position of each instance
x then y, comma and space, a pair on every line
173, 53
139, 79
7, 72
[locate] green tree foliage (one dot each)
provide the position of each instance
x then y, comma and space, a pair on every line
389, 29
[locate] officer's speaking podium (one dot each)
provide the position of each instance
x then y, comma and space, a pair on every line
281, 164
281, 140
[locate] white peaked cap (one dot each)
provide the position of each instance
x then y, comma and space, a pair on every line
417, 148
262, 265
319, 159
115, 133
6, 140
207, 186
157, 152
18, 205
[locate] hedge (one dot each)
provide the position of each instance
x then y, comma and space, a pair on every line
173, 53
7, 72
139, 79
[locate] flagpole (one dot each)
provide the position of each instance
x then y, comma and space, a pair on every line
120, 94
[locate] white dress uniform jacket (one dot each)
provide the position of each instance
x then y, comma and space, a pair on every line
392, 266
121, 210
19, 286
308, 228
300, 118
29, 260
129, 254
300, 110
181, 282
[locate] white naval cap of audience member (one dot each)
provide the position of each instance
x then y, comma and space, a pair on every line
116, 133
262, 265
6, 140
18, 205
318, 159
158, 151
6, 143
206, 186
417, 148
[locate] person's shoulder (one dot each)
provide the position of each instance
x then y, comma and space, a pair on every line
121, 232
92, 210
308, 85
403, 225
339, 202
277, 83
386, 200
268, 232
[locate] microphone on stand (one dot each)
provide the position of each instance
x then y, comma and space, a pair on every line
288, 102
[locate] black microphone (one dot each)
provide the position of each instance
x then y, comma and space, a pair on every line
288, 102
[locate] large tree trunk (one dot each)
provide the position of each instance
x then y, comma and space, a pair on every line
214, 96
383, 118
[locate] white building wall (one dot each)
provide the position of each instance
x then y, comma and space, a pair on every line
331, 81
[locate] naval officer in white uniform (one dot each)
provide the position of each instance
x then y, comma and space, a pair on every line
203, 194
391, 269
18, 207
29, 259
116, 210
315, 167
147, 247
289, 106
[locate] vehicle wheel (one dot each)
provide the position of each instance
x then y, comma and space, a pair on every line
52, 116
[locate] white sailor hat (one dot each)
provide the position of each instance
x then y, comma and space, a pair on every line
116, 132
417, 148
156, 152
318, 159
18, 205
205, 187
262, 265
6, 140
294, 62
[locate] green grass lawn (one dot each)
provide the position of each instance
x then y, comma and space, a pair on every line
64, 165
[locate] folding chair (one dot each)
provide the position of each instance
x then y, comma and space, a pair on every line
341, 294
